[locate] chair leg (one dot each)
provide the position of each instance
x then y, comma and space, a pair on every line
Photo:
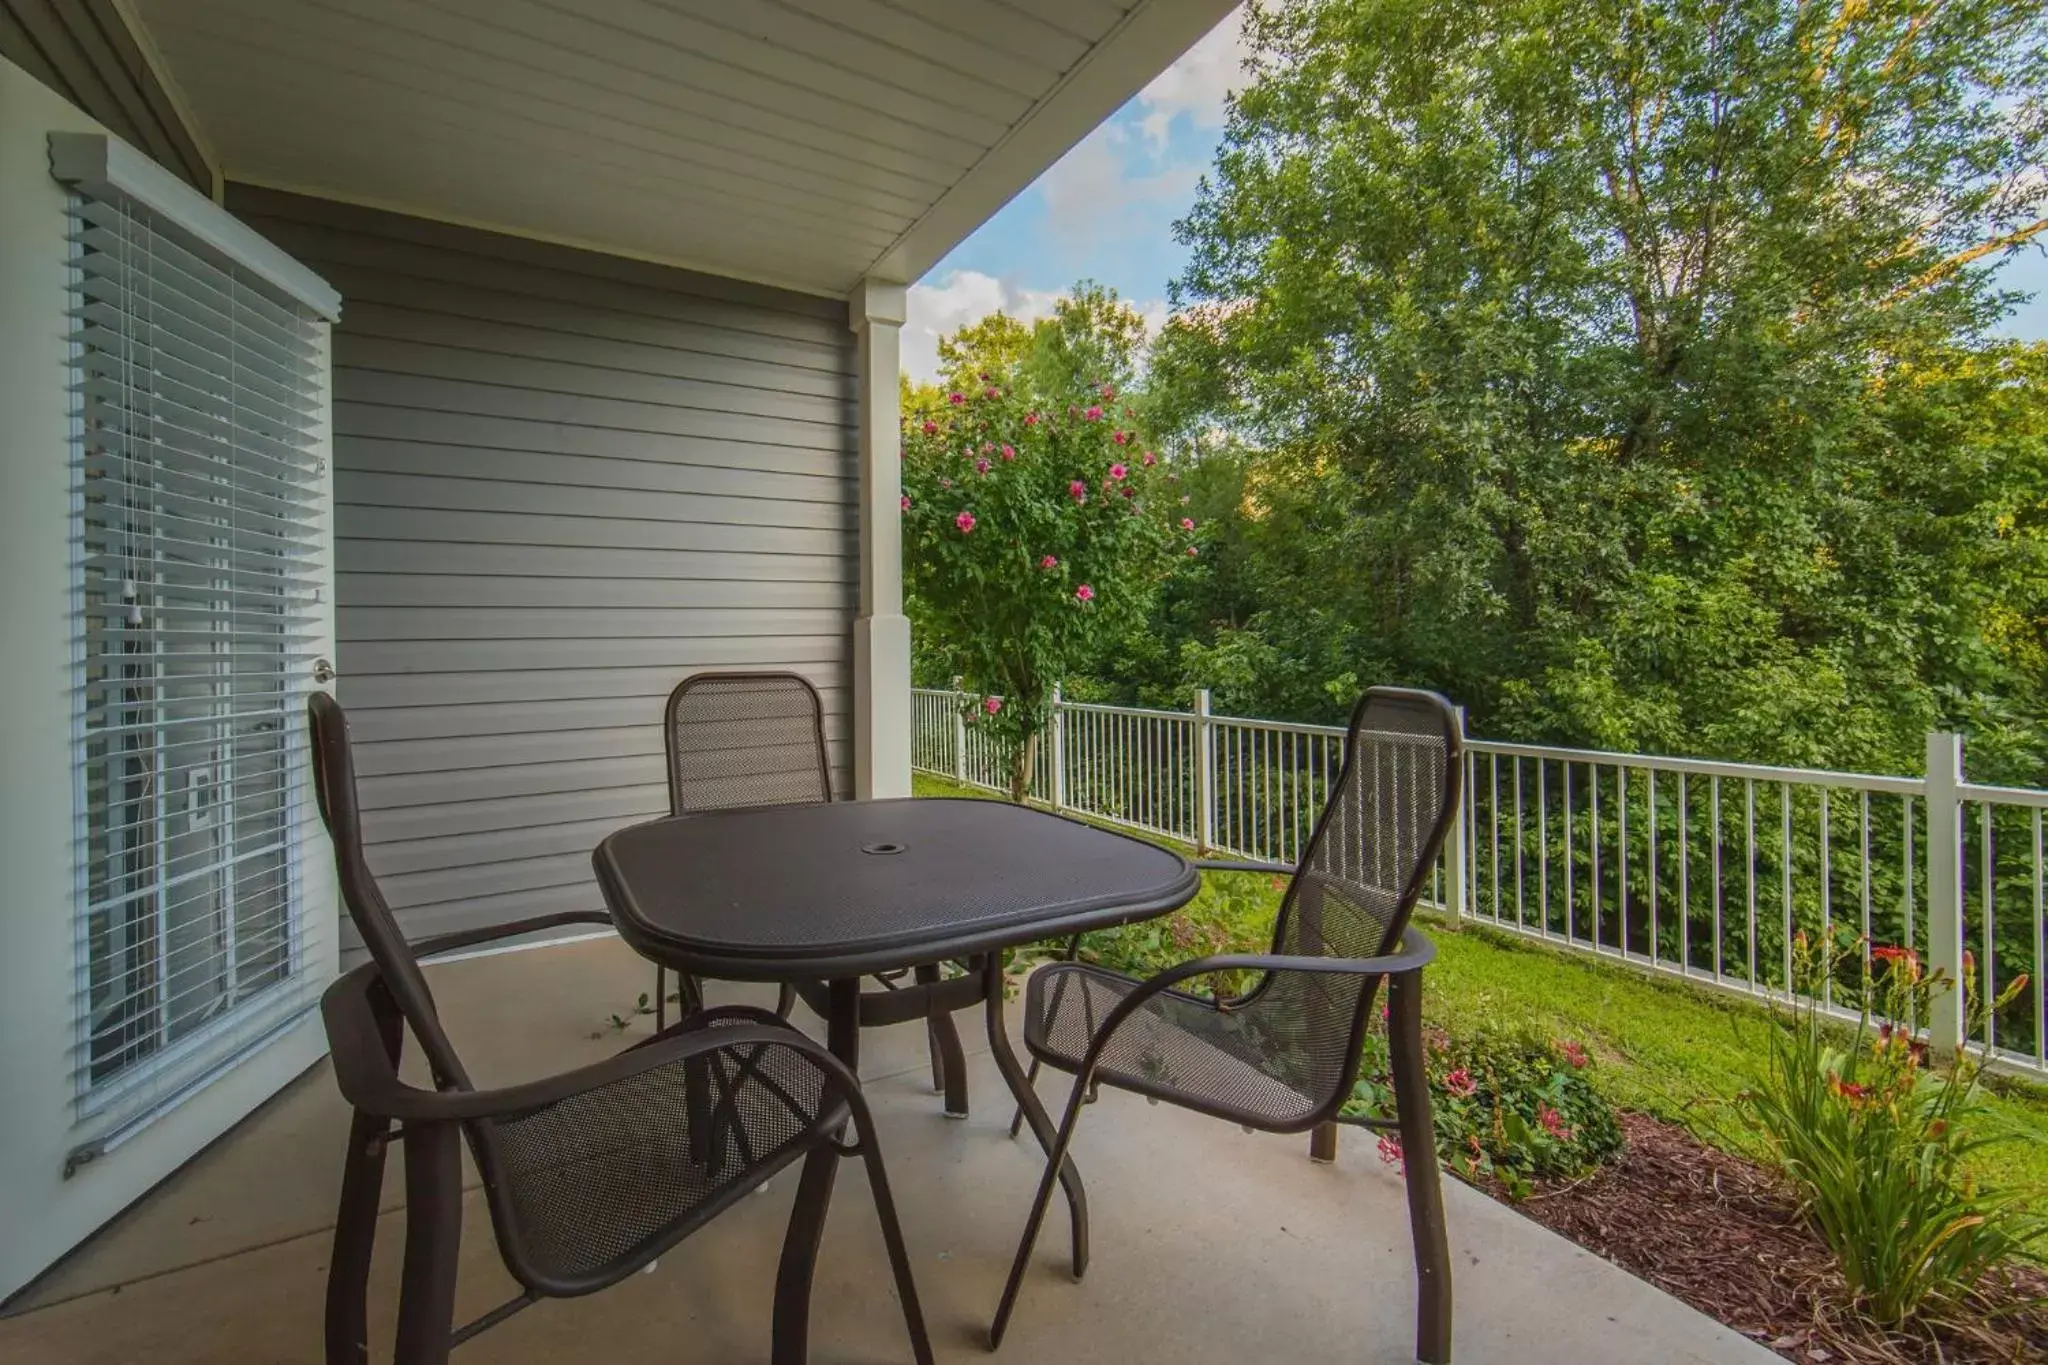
892, 1232
1322, 1142
1424, 1181
949, 1062
661, 998
355, 1238
785, 1000
1031, 1076
433, 1243
1054, 1161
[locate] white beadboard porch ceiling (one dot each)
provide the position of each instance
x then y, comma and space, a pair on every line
805, 143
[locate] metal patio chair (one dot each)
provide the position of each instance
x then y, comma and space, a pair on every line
1283, 1056
758, 739
590, 1175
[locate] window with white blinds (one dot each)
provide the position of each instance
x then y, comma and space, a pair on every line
199, 397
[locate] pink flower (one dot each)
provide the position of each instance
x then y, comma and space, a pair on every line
945, 483
1553, 1123
988, 447
1461, 1084
1030, 419
981, 466
1048, 563
931, 428
1094, 413
906, 502
1078, 491
1118, 472
1150, 459
991, 392
1390, 1151
1192, 552
965, 521
1573, 1053
1109, 390
1121, 437
956, 398
991, 704
1085, 593
1187, 523
1009, 452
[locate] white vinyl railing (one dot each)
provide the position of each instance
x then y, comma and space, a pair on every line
1691, 867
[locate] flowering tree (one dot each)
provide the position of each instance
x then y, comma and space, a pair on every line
1031, 530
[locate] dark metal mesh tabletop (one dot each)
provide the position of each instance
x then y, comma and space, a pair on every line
834, 890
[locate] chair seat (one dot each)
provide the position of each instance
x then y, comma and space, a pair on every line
1177, 1047
593, 1186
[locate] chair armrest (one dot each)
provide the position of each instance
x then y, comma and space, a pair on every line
370, 1083
469, 938
1243, 865
1416, 952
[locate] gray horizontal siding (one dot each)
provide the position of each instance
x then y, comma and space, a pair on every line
563, 481
82, 49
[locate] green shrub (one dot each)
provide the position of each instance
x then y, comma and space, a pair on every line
1875, 1137
1509, 1103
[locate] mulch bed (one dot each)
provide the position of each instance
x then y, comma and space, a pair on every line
1721, 1234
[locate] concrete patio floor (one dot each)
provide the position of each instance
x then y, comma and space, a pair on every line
1209, 1243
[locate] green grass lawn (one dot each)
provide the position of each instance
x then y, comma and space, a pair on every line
1676, 1050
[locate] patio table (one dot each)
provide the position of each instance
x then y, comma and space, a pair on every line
840, 890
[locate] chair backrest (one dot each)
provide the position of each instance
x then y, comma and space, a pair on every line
334, 781
1366, 865
745, 739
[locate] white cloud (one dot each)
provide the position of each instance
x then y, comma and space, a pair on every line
964, 296
1197, 84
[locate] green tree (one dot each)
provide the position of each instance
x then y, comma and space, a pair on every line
1621, 369
1033, 529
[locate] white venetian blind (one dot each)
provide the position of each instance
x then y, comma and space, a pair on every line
199, 399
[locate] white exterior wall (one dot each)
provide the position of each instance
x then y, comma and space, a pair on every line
42, 1214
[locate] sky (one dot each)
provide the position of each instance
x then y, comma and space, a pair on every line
1105, 211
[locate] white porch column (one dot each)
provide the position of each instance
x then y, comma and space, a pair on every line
881, 634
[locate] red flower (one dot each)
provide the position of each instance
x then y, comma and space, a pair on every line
965, 521
991, 392
1193, 552
906, 502
1085, 593
1573, 1053
981, 466
956, 398
1109, 390
1009, 452
1187, 523
991, 704
1150, 458
1390, 1150
1078, 491
1094, 413
1030, 419
1461, 1084
931, 428
1901, 959
1130, 492
1121, 437
1048, 563
1553, 1123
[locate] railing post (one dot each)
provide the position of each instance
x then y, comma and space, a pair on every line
1205, 775
1457, 848
1059, 749
959, 739
1945, 885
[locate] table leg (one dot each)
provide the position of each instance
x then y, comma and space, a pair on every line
800, 1244
1033, 1111
949, 1063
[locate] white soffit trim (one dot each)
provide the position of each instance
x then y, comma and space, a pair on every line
1148, 40
106, 167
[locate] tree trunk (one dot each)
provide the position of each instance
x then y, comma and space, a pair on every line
1021, 764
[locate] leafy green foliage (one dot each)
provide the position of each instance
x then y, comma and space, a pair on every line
1509, 1104
1621, 370
1877, 1142
1037, 520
